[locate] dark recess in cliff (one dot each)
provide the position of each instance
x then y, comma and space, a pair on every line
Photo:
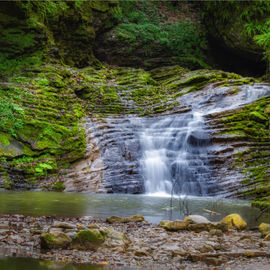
225, 59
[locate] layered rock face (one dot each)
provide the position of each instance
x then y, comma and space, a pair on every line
65, 128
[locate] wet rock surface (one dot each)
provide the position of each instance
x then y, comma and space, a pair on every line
137, 245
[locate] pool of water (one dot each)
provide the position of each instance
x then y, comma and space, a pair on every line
153, 208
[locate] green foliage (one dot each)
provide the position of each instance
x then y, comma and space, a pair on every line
143, 24
44, 9
11, 116
254, 15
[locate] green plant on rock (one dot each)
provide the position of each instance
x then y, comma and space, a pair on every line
11, 116
42, 168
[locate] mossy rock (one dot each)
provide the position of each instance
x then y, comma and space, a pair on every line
54, 240
176, 225
264, 228
235, 222
116, 219
88, 239
258, 117
10, 148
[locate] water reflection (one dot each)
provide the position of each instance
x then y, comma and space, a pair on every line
153, 208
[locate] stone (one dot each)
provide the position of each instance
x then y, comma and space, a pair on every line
163, 223
63, 225
206, 248
55, 240
199, 227
215, 232
88, 240
267, 237
52, 230
213, 261
196, 219
141, 252
202, 258
174, 225
116, 219
114, 238
234, 221
264, 228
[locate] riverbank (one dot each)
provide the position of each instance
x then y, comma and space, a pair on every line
135, 244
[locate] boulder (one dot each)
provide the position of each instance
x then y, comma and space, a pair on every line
234, 221
88, 239
264, 228
54, 240
116, 219
176, 225
196, 219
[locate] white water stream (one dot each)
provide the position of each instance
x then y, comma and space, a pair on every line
175, 148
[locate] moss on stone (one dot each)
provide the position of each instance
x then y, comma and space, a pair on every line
252, 123
88, 239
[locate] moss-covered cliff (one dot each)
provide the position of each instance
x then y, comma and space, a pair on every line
51, 79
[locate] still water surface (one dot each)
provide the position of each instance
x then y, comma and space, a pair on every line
153, 208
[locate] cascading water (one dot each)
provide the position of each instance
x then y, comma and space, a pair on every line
175, 148
161, 154
175, 155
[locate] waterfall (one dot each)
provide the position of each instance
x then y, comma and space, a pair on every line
175, 155
175, 148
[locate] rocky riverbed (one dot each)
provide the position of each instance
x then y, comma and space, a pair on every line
133, 243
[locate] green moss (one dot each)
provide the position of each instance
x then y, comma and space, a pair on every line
49, 237
89, 236
252, 123
4, 139
58, 186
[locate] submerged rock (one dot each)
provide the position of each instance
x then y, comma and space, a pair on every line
54, 240
234, 221
116, 219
